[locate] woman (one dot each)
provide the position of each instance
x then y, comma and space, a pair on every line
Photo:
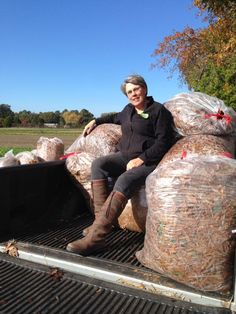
147, 134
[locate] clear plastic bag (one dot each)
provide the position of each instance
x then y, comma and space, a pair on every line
191, 215
77, 146
200, 145
49, 149
100, 142
8, 160
199, 113
134, 215
25, 158
79, 166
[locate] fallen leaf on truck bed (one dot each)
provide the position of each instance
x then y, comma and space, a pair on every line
56, 273
11, 248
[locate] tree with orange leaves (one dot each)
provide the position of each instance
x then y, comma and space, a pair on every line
205, 58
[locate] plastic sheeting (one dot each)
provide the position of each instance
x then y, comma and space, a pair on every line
191, 214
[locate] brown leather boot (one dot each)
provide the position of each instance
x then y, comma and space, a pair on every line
100, 193
103, 224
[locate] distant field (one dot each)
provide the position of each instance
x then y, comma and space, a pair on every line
21, 139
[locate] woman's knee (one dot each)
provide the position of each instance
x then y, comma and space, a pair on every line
97, 168
97, 163
124, 185
128, 182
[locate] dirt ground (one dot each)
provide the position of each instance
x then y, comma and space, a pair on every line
29, 140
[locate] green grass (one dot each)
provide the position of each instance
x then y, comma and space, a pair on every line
16, 150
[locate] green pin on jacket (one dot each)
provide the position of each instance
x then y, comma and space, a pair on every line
144, 115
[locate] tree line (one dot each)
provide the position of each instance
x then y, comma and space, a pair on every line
24, 118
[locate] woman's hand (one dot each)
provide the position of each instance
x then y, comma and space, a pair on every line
136, 162
89, 127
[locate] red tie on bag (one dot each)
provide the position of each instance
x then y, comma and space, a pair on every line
219, 116
67, 155
184, 154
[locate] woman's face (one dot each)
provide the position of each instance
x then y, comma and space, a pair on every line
136, 95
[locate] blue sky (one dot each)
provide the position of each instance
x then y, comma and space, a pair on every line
74, 54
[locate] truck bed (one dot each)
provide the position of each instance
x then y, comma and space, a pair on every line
45, 278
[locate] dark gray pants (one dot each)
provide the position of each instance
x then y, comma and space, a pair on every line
114, 166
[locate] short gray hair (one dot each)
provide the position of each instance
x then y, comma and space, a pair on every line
136, 80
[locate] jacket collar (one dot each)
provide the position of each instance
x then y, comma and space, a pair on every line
149, 100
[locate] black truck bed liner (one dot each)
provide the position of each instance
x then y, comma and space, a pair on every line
119, 257
43, 210
28, 288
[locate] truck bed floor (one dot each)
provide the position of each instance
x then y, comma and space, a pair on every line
29, 288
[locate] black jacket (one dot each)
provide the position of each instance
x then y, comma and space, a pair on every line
148, 136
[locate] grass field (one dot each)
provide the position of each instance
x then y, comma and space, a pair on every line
24, 139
